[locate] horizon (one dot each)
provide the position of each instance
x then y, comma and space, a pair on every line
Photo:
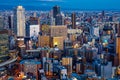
45, 5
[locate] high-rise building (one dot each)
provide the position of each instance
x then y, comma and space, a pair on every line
73, 20
56, 10
19, 21
10, 21
67, 62
58, 31
30, 66
32, 27
43, 41
59, 20
57, 41
118, 44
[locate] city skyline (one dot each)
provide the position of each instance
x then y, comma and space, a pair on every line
65, 4
58, 41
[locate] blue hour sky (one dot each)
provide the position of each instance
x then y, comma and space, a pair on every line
64, 4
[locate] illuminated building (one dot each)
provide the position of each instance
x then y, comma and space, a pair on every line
118, 70
67, 62
72, 37
74, 33
30, 67
45, 29
43, 41
57, 41
58, 31
20, 41
48, 66
19, 21
79, 67
73, 20
118, 44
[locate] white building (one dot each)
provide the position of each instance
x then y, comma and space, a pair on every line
19, 21
34, 30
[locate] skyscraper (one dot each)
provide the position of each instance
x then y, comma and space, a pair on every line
58, 19
10, 21
19, 21
56, 10
118, 44
73, 20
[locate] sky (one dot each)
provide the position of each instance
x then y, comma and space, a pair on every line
64, 4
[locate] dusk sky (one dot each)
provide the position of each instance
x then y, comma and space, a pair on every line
65, 4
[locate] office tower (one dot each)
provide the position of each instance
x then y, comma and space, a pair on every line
56, 54
58, 19
67, 62
118, 44
10, 22
73, 20
67, 44
79, 68
43, 41
30, 66
19, 21
48, 66
32, 27
57, 42
58, 31
45, 29
56, 10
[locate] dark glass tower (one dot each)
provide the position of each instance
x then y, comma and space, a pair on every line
73, 20
56, 10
